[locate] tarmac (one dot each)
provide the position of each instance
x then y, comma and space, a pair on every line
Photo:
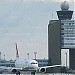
42, 74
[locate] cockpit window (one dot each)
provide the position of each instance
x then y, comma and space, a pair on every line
33, 63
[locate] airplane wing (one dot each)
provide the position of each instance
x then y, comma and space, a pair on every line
4, 69
43, 69
14, 70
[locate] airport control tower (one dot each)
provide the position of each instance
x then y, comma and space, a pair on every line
61, 36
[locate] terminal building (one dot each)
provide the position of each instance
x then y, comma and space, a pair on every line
11, 63
42, 62
61, 36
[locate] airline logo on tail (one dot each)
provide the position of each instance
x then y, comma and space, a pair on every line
17, 55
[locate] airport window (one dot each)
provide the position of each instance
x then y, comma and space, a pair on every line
72, 23
69, 38
62, 33
40, 65
62, 28
69, 44
44, 60
69, 23
72, 43
62, 23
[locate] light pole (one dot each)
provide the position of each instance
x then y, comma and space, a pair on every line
66, 59
0, 56
4, 56
35, 54
28, 55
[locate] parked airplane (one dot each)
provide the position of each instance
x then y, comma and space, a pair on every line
25, 65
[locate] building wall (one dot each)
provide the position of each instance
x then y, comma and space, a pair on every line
65, 57
42, 62
10, 63
54, 50
72, 58
67, 33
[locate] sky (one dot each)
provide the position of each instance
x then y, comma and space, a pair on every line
25, 22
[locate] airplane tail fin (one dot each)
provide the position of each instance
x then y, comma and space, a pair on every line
17, 55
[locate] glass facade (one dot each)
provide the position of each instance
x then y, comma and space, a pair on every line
67, 33
42, 62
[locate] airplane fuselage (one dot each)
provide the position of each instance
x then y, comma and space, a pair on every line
26, 64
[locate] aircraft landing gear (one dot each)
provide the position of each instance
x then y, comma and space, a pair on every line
18, 73
32, 73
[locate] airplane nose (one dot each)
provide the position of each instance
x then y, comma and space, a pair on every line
35, 65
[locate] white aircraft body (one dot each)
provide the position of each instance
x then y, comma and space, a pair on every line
20, 66
25, 65
28, 65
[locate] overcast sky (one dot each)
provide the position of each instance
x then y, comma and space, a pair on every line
25, 22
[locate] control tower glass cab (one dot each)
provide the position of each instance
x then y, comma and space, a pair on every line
64, 13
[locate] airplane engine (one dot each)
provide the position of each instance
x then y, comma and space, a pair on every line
14, 70
43, 70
